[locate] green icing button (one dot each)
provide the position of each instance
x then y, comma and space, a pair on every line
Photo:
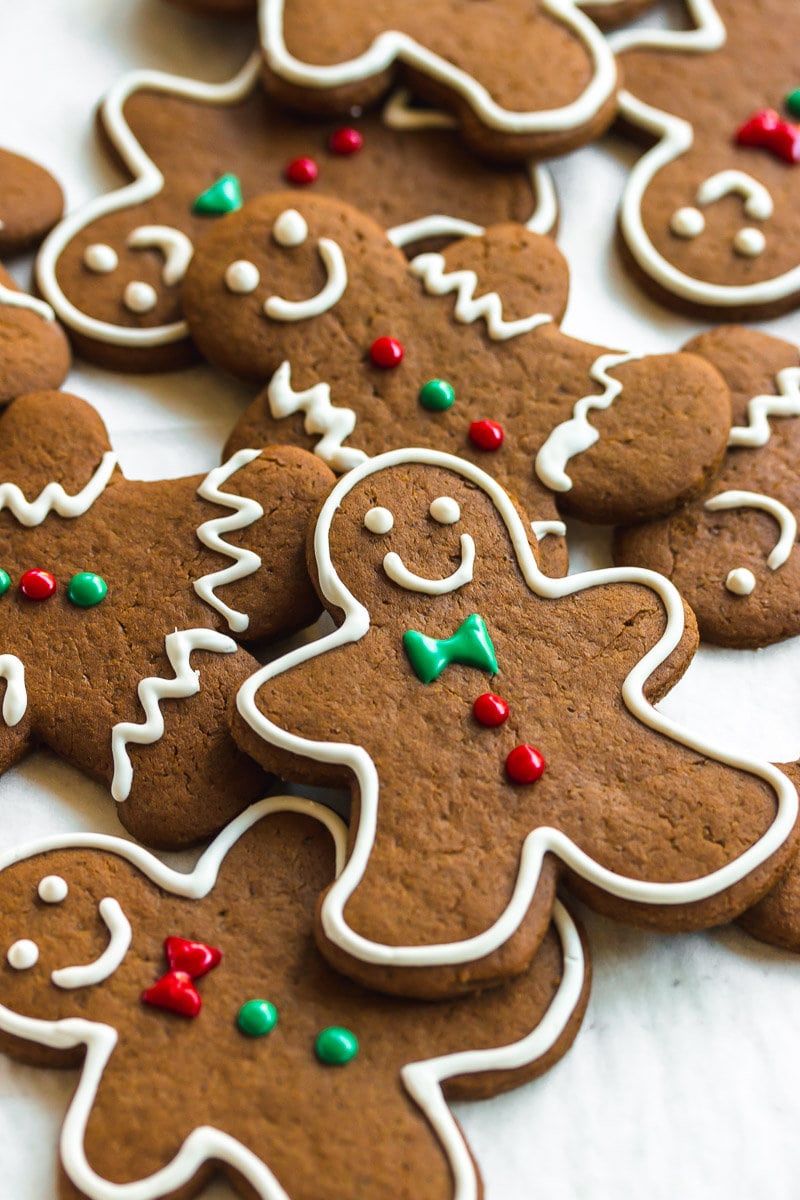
87, 589
257, 1018
437, 395
336, 1046
792, 102
5, 582
224, 196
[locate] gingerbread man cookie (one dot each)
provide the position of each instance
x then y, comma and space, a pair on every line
460, 351
120, 604
112, 269
523, 76
284, 1073
496, 728
711, 214
732, 552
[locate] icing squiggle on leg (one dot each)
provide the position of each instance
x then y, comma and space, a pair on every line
246, 562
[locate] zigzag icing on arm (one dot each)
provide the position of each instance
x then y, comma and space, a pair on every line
437, 282
321, 416
760, 408
14, 299
179, 646
576, 435
15, 701
246, 562
53, 498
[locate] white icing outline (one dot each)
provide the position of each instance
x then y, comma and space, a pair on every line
786, 403
152, 690
757, 200
15, 700
541, 841
787, 522
53, 498
11, 298
422, 1080
246, 513
392, 45
176, 247
332, 421
430, 269
576, 435
399, 573
110, 960
279, 309
543, 529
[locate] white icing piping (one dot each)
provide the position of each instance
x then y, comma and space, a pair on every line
392, 45
576, 435
15, 700
246, 562
539, 842
110, 960
151, 691
757, 200
787, 522
430, 268
53, 498
542, 529
147, 182
399, 573
400, 114
709, 33
335, 423
760, 408
174, 245
14, 299
300, 310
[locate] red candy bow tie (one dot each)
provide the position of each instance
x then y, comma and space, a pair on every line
768, 130
175, 991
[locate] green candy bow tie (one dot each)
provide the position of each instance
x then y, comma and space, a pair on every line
470, 645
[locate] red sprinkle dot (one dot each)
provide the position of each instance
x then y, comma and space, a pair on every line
346, 141
386, 352
302, 171
37, 584
525, 764
490, 710
486, 435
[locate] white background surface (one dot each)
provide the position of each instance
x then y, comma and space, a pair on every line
683, 1082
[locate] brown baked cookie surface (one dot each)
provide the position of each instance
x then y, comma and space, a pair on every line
252, 1056
113, 269
31, 201
711, 215
120, 601
608, 13
523, 76
776, 918
732, 553
495, 726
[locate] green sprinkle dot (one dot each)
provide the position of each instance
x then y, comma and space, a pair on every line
224, 196
792, 102
5, 582
437, 395
87, 589
336, 1046
257, 1018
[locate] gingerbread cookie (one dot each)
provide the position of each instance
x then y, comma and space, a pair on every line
732, 553
120, 604
496, 729
284, 1073
112, 270
523, 76
460, 351
711, 215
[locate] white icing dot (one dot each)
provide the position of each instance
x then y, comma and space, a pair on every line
687, 222
53, 889
140, 297
749, 242
741, 581
379, 520
242, 277
290, 229
100, 258
23, 955
445, 510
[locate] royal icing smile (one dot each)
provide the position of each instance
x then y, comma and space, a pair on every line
741, 581
279, 309
399, 573
110, 960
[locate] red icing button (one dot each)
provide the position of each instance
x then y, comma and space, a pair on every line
525, 764
386, 352
490, 710
768, 130
37, 584
176, 993
486, 435
301, 171
346, 141
193, 958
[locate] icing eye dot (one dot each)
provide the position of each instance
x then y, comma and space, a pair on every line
741, 581
687, 222
87, 589
100, 258
379, 520
23, 955
445, 510
336, 1046
749, 242
37, 584
257, 1018
242, 277
437, 395
301, 171
139, 297
290, 228
5, 582
53, 889
525, 764
345, 141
